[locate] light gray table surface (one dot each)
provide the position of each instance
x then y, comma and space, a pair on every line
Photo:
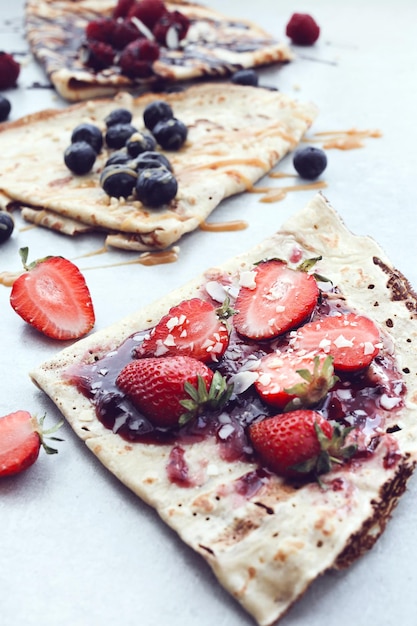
76, 547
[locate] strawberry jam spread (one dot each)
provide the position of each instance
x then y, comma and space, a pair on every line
367, 400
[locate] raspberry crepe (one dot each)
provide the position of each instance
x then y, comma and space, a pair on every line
266, 535
213, 46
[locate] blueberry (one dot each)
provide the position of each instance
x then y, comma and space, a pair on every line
151, 160
155, 187
170, 134
80, 157
89, 133
5, 108
6, 226
310, 162
118, 134
140, 142
155, 112
245, 77
118, 181
118, 116
120, 157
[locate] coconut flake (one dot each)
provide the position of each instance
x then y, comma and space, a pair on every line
342, 342
216, 290
247, 279
225, 431
388, 403
243, 380
171, 38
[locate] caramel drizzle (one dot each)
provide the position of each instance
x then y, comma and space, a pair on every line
344, 139
217, 227
147, 258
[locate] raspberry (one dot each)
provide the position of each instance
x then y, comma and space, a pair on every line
137, 58
97, 55
302, 29
148, 11
100, 30
9, 70
123, 34
122, 8
176, 19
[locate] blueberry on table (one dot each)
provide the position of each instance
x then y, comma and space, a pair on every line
156, 187
151, 160
118, 134
89, 133
170, 134
80, 157
140, 142
5, 108
245, 77
155, 112
118, 181
118, 116
310, 162
6, 226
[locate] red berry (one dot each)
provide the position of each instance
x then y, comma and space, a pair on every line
9, 71
122, 8
123, 34
98, 55
302, 29
173, 19
100, 30
148, 11
136, 59
53, 297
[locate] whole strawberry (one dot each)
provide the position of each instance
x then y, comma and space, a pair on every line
302, 29
21, 437
9, 70
171, 390
53, 297
299, 443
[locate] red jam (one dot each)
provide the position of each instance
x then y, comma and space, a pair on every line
368, 400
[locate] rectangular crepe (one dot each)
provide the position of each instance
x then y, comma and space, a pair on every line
267, 549
236, 135
215, 46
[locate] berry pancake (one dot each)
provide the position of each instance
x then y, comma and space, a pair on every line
214, 46
267, 535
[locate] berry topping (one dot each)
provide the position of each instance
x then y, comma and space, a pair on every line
155, 112
136, 59
170, 134
118, 116
302, 29
9, 71
21, 437
6, 226
53, 297
172, 390
171, 28
352, 340
300, 443
151, 160
97, 55
310, 162
148, 11
245, 77
124, 33
118, 181
273, 299
140, 142
80, 157
89, 133
100, 30
155, 187
192, 328
5, 108
118, 134
122, 8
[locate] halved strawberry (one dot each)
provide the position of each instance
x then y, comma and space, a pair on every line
172, 390
192, 328
300, 443
352, 340
53, 297
274, 299
21, 437
303, 379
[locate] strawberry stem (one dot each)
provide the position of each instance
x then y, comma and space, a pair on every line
47, 434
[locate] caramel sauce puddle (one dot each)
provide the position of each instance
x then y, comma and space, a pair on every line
344, 139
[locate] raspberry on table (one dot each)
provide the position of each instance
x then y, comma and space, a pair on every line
9, 70
302, 29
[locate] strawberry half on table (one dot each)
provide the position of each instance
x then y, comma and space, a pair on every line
21, 437
53, 297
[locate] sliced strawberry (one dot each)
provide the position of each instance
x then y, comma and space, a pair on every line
53, 297
275, 299
286, 376
192, 328
299, 443
352, 340
172, 390
21, 437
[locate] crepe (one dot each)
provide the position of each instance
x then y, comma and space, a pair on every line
268, 547
215, 46
236, 134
